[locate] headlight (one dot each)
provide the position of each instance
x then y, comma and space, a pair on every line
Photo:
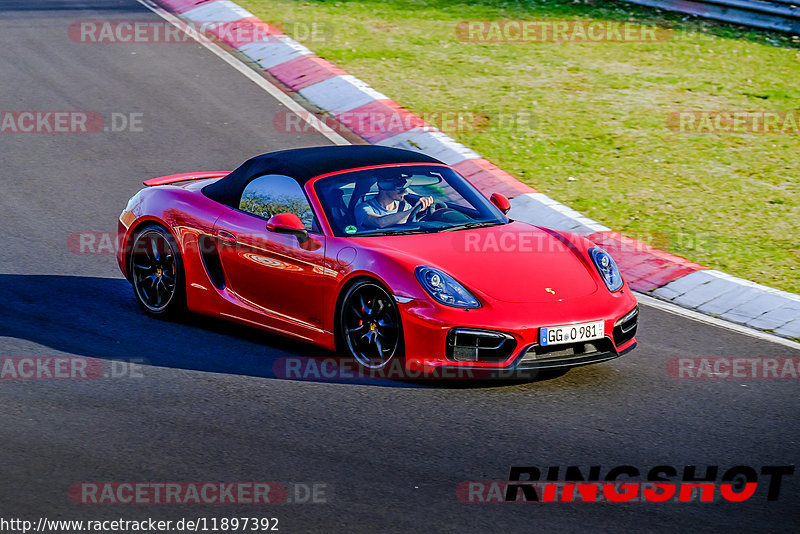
607, 268
445, 289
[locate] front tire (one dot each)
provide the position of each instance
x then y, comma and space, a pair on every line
369, 325
157, 272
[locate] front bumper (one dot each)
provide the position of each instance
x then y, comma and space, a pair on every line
507, 338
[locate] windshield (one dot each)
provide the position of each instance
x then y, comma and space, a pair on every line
403, 199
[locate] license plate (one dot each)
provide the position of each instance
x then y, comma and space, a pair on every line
571, 333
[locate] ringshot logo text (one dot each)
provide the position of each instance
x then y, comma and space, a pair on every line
629, 484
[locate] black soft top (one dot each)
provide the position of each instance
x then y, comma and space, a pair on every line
302, 164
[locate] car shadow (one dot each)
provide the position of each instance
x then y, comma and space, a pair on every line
99, 318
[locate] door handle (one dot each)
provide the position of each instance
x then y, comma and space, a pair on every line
226, 237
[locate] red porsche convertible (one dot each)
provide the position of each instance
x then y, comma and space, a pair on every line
385, 255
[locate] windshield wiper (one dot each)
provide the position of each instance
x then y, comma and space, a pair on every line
467, 226
429, 230
396, 232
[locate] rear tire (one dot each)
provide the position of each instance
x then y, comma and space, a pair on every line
157, 274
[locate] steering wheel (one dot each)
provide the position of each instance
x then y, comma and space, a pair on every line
414, 215
417, 214
433, 208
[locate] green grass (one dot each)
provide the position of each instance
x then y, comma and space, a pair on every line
600, 143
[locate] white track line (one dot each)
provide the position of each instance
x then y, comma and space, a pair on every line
279, 95
669, 307
318, 125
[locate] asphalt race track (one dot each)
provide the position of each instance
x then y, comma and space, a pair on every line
206, 405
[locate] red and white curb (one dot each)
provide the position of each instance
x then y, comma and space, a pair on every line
349, 100
736, 300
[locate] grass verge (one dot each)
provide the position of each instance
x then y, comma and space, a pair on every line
600, 140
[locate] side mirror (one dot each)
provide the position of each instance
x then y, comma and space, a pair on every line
288, 223
500, 202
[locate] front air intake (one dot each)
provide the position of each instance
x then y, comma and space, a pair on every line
625, 328
473, 345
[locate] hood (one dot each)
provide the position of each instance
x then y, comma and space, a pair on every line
516, 262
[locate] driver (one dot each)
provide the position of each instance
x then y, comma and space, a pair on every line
384, 209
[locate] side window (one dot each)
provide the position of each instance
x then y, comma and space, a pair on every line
271, 194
